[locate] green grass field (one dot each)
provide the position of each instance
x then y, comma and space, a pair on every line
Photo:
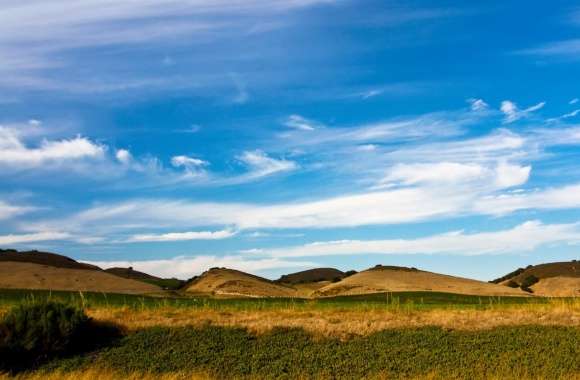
514, 352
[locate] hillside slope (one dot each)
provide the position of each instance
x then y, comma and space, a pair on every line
43, 258
130, 273
21, 275
230, 282
559, 279
396, 279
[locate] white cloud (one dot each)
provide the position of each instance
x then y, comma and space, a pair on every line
513, 113
123, 156
508, 175
478, 105
386, 207
182, 236
571, 114
573, 101
302, 123
524, 237
8, 211
185, 267
371, 93
502, 175
566, 197
442, 172
188, 162
262, 165
14, 152
33, 237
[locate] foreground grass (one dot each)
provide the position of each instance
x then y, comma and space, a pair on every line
345, 323
224, 352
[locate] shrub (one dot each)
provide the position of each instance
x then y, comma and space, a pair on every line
529, 281
513, 284
33, 333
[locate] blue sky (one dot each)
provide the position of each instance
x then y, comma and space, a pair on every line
274, 136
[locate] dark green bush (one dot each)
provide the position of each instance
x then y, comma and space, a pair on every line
529, 281
513, 284
33, 333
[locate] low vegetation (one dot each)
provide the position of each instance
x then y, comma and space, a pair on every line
400, 335
224, 352
33, 333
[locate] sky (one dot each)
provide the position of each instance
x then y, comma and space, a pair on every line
276, 136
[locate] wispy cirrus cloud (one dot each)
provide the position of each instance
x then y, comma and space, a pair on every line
564, 49
8, 211
182, 236
513, 113
33, 237
521, 238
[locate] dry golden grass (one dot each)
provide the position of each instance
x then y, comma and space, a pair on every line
15, 275
348, 322
393, 280
558, 287
229, 282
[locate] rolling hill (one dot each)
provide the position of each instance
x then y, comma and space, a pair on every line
21, 275
45, 270
233, 283
397, 279
559, 279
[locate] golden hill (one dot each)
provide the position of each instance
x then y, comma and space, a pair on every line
22, 275
398, 279
233, 283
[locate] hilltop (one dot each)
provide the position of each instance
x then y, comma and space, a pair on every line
230, 282
43, 258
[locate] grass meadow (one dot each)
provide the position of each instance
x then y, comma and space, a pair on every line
385, 336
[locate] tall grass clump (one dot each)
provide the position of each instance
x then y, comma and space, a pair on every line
35, 332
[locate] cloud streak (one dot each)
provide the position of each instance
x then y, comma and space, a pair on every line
522, 238
182, 236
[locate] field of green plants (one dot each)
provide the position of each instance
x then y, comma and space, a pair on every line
513, 352
405, 300
47, 335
